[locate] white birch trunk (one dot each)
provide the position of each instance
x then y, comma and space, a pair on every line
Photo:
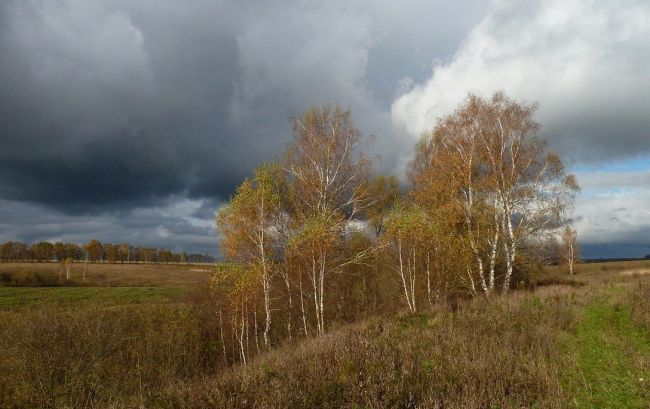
429, 280
402, 274
302, 305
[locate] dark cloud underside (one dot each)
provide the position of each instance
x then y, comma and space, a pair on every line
113, 112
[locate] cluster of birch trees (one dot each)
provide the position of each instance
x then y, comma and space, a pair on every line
317, 238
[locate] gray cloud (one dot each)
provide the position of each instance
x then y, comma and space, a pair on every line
175, 224
111, 107
586, 62
132, 120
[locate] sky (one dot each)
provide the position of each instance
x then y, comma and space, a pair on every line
134, 120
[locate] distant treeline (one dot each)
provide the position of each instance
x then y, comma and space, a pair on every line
614, 259
96, 251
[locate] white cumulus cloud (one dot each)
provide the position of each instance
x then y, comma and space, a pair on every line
586, 62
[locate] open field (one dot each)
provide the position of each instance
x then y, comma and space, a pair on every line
106, 274
604, 270
562, 345
12, 297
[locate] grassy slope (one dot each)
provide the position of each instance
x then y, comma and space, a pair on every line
559, 347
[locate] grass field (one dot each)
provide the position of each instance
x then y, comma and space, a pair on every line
562, 345
611, 353
11, 297
106, 274
593, 271
105, 284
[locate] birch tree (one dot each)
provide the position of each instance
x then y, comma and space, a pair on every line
247, 224
384, 191
409, 238
532, 190
570, 248
448, 175
486, 164
328, 177
236, 292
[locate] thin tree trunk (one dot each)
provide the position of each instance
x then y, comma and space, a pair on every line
413, 282
257, 344
471, 281
571, 257
402, 275
241, 336
493, 252
314, 279
266, 284
302, 304
223, 341
285, 275
429, 280
472, 241
510, 249
322, 292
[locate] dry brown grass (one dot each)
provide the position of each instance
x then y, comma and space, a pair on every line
641, 304
502, 353
99, 356
107, 274
600, 271
505, 352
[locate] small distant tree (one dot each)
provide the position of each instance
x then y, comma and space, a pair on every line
68, 269
43, 251
111, 252
236, 292
66, 265
95, 250
8, 250
403, 238
60, 251
570, 247
384, 191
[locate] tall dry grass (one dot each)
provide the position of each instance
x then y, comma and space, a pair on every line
505, 353
92, 357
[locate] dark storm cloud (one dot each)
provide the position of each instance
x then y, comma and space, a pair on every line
112, 108
133, 119
117, 104
117, 109
171, 225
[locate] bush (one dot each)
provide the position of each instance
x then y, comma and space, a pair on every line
29, 279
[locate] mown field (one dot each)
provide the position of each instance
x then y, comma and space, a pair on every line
26, 296
580, 341
107, 274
